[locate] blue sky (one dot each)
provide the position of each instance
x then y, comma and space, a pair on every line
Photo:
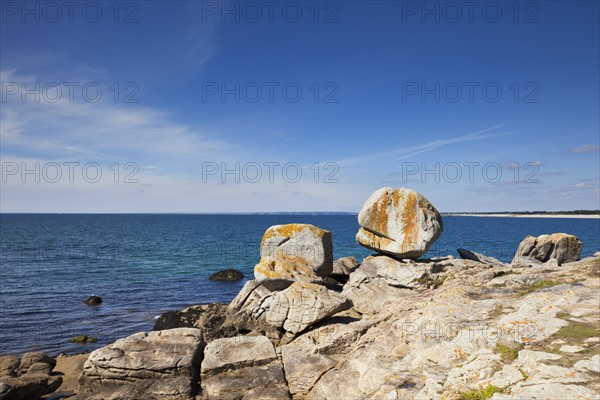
388, 90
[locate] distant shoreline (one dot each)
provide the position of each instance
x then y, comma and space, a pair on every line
586, 216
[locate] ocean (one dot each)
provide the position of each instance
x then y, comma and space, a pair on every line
145, 264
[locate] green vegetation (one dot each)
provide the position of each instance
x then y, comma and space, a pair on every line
428, 280
481, 394
83, 339
543, 284
525, 375
577, 332
508, 354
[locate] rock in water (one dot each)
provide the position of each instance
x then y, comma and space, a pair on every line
154, 365
227, 275
559, 246
93, 300
399, 222
294, 252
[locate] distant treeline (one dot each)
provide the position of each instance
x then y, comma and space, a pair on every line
573, 212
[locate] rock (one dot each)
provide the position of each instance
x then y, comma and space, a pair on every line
302, 305
28, 387
471, 255
27, 378
398, 222
592, 364
93, 300
209, 318
9, 366
381, 281
342, 268
246, 313
160, 364
303, 369
227, 275
597, 254
242, 367
31, 358
294, 252
559, 246
571, 349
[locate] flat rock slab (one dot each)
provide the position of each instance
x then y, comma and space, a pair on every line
162, 364
242, 367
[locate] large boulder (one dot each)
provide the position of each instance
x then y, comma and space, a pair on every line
561, 247
294, 252
242, 367
398, 222
154, 365
302, 305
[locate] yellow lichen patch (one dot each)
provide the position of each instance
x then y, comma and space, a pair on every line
409, 219
288, 230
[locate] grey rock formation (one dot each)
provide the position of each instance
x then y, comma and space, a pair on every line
154, 365
561, 247
242, 367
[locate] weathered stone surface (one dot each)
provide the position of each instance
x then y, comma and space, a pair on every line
242, 367
161, 364
561, 247
227, 275
302, 369
27, 378
302, 305
342, 268
246, 313
209, 318
471, 255
399, 222
381, 281
294, 252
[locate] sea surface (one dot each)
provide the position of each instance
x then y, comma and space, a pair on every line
145, 264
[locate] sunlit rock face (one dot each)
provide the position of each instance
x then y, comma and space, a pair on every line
399, 222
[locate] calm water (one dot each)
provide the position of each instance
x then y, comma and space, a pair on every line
143, 265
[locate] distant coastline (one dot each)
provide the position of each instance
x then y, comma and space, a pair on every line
526, 215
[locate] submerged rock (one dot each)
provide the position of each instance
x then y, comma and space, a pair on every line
561, 247
294, 252
93, 300
227, 275
398, 222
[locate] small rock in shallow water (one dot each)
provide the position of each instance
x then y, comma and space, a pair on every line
227, 275
93, 300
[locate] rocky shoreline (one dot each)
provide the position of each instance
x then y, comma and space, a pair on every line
393, 326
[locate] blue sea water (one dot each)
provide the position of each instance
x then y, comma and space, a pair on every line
145, 264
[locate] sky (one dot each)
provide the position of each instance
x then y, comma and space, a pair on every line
215, 106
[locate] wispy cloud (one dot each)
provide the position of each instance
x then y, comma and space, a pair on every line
586, 148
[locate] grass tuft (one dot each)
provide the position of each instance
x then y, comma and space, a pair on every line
508, 354
481, 394
543, 284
